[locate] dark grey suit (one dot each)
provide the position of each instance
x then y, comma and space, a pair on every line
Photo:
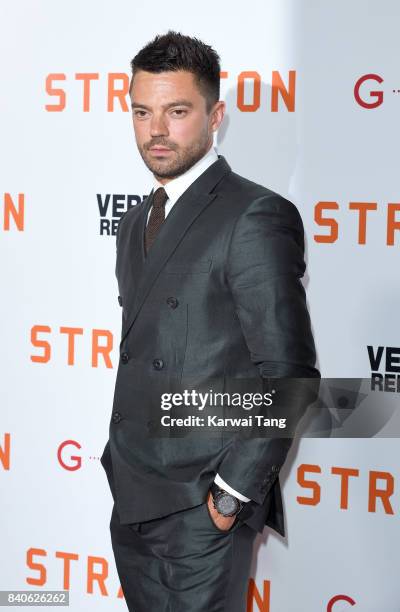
217, 298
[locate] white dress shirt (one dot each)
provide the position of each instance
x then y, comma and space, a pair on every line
174, 189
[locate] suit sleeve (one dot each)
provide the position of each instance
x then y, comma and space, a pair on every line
224, 485
264, 267
118, 237
119, 226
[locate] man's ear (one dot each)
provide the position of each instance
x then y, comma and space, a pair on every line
217, 114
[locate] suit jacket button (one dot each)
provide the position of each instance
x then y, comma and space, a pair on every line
172, 302
116, 417
125, 357
158, 364
120, 300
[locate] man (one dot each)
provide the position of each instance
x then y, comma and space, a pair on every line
209, 269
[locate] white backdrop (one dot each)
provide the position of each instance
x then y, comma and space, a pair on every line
327, 143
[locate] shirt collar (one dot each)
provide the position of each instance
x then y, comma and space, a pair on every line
178, 186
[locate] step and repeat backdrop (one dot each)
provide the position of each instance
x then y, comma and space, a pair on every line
313, 99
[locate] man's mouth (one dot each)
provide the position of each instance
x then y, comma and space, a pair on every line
160, 149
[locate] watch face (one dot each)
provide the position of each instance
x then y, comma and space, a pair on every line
226, 504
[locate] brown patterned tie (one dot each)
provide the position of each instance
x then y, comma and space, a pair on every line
157, 217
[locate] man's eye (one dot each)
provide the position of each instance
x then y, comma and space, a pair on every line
179, 112
139, 113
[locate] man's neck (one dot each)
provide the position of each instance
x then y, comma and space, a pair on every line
177, 186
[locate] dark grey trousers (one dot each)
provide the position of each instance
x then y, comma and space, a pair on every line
183, 563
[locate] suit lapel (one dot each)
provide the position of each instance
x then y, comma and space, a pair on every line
184, 212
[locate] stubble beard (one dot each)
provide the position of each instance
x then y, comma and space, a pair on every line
181, 159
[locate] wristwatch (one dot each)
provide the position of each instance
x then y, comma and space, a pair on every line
225, 503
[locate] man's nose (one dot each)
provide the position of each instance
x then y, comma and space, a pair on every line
158, 126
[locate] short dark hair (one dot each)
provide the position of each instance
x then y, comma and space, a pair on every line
174, 51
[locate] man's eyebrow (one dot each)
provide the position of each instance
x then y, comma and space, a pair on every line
165, 106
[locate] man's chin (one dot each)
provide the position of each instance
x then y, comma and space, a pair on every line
163, 170
171, 168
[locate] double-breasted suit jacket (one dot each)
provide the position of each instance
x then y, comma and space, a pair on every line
217, 298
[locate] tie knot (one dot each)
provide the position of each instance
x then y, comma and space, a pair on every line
159, 198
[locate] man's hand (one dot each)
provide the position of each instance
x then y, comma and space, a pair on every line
222, 522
